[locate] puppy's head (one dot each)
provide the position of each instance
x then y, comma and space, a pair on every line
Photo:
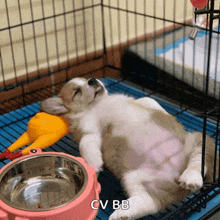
75, 96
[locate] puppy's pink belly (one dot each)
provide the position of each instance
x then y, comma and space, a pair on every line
162, 158
167, 162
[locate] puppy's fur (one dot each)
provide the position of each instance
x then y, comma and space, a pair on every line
157, 161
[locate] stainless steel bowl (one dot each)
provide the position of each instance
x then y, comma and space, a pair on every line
42, 182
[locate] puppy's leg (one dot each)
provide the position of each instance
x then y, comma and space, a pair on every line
191, 178
90, 150
140, 202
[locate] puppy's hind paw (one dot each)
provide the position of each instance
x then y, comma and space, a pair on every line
136, 207
120, 215
191, 180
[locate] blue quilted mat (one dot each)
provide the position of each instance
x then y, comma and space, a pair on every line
13, 124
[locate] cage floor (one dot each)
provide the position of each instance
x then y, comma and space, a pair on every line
14, 123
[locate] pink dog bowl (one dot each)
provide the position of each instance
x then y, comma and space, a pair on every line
48, 186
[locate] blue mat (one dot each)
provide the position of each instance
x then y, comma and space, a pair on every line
14, 123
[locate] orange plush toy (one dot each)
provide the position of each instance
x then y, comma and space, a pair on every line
43, 131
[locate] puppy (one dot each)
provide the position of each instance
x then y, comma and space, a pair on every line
157, 161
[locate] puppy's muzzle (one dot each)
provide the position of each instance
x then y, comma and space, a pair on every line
93, 82
96, 85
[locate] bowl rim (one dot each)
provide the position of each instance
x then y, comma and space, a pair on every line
4, 170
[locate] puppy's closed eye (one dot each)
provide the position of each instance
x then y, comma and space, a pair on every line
76, 91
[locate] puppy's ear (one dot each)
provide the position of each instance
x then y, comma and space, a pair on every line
53, 106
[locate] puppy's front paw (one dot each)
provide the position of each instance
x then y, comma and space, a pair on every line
191, 180
96, 164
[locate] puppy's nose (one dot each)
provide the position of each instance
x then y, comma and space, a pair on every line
92, 82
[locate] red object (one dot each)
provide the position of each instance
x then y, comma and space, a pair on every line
12, 156
199, 3
7, 154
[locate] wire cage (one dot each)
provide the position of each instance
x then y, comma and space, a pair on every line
165, 49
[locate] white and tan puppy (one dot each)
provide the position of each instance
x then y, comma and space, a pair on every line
157, 161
